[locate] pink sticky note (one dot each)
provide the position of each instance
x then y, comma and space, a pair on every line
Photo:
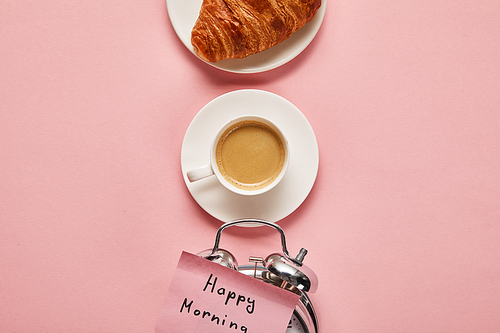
207, 297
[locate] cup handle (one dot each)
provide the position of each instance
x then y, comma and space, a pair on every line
200, 173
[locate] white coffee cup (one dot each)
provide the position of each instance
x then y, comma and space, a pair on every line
249, 156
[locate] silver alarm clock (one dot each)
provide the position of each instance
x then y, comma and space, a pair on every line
278, 269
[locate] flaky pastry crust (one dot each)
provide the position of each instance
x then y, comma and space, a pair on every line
227, 29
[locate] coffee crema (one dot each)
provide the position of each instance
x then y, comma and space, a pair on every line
250, 155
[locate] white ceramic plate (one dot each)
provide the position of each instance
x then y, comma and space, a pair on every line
299, 179
183, 15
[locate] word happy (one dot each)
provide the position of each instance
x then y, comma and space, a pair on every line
228, 297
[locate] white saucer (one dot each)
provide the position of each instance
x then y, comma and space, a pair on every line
183, 15
275, 204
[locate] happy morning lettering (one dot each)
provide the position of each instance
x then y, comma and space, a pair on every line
228, 297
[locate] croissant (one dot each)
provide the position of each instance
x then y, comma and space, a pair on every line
227, 29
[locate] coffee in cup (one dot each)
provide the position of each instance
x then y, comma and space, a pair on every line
249, 156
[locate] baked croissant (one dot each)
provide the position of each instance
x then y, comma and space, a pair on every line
227, 29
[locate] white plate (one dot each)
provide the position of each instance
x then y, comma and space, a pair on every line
275, 204
183, 15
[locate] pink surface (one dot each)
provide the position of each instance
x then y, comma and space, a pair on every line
224, 299
402, 225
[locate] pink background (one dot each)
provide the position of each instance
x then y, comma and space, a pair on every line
402, 225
